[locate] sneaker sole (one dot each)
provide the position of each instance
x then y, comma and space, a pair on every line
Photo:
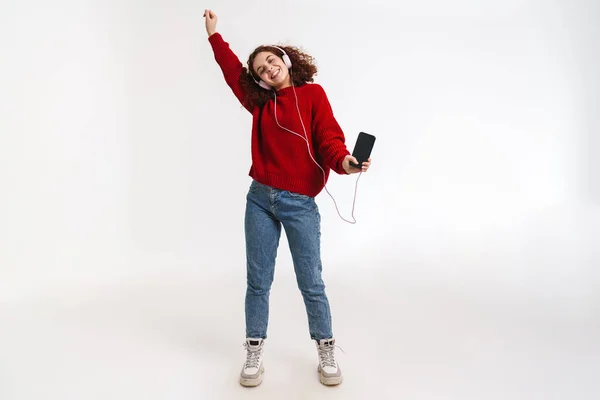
329, 381
251, 382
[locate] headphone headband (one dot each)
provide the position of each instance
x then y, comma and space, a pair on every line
279, 48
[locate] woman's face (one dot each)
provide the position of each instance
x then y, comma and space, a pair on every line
271, 69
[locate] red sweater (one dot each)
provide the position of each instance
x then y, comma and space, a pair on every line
280, 159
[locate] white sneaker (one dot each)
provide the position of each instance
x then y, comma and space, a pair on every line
253, 369
329, 370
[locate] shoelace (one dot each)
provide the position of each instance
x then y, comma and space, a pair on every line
328, 356
252, 357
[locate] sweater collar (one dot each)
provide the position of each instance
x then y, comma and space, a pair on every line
285, 91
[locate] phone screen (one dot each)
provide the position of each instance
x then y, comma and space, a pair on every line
363, 147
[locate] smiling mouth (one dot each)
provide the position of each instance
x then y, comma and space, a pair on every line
275, 75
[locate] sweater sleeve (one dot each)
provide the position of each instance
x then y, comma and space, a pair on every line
329, 138
230, 65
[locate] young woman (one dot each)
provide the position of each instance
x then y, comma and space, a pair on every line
295, 143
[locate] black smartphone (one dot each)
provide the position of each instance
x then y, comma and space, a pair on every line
362, 148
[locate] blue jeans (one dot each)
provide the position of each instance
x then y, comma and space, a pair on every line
267, 210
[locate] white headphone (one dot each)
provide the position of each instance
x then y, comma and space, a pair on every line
287, 62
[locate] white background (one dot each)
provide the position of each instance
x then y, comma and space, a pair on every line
124, 160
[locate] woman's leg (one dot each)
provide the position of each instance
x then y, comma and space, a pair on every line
302, 223
263, 232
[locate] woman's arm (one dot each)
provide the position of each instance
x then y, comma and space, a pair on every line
229, 63
329, 138
330, 141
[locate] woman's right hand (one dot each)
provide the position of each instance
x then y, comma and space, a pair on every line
211, 22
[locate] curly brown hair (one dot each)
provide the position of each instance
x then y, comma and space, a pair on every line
302, 72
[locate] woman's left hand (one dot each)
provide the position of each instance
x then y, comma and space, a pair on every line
350, 169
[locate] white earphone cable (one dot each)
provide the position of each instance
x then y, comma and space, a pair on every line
305, 138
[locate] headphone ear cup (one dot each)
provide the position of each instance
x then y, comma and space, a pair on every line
262, 84
287, 61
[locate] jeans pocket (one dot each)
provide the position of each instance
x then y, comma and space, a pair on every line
254, 187
300, 196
